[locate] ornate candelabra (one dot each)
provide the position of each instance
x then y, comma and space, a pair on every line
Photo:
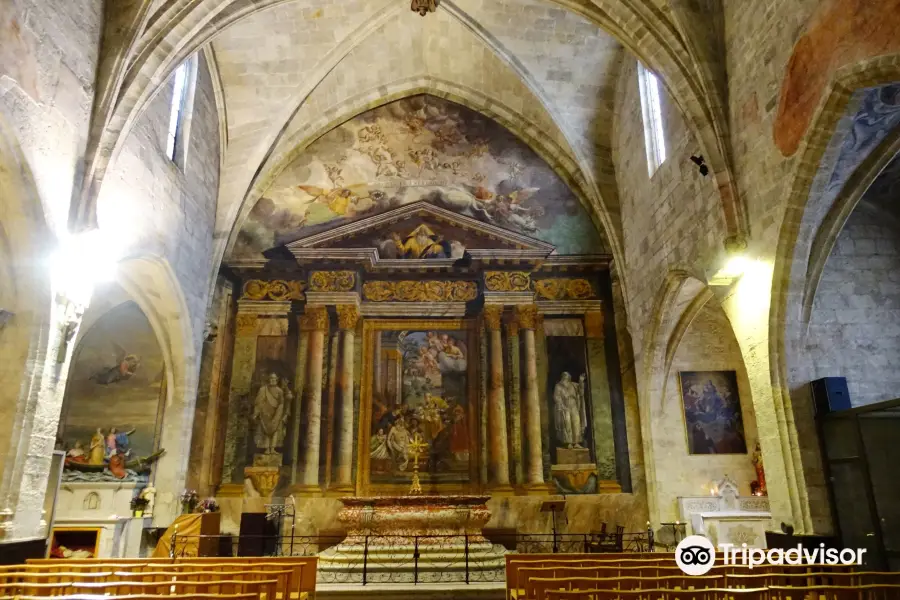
416, 447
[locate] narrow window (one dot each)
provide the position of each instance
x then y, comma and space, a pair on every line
654, 138
179, 111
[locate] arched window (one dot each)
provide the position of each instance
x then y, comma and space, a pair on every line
180, 111
654, 137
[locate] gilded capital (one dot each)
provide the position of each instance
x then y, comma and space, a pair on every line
246, 324
348, 316
593, 324
526, 316
315, 319
492, 314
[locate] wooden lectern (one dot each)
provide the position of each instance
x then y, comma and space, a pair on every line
555, 507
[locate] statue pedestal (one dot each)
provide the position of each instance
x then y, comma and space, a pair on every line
403, 539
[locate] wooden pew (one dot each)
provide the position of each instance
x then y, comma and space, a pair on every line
139, 597
265, 589
304, 567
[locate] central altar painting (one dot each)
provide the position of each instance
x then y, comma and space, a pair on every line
419, 382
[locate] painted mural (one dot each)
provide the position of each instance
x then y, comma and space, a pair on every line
840, 33
114, 390
422, 390
712, 412
418, 148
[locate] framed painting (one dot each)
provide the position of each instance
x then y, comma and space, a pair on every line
418, 380
712, 412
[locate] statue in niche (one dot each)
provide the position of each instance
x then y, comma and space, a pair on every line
571, 414
758, 487
269, 414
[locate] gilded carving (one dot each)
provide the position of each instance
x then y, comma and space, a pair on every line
315, 319
420, 291
246, 324
348, 316
563, 289
332, 281
593, 324
492, 314
277, 290
526, 316
507, 281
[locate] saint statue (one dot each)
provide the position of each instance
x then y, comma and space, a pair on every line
269, 414
570, 411
760, 471
97, 451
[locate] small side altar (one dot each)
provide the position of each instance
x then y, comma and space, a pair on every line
403, 539
725, 517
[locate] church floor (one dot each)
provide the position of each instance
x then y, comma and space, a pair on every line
429, 591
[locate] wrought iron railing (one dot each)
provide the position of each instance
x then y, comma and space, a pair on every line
404, 559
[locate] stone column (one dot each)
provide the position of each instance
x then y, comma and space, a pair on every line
514, 392
526, 315
498, 453
315, 321
348, 316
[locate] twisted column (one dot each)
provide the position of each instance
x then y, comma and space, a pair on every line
348, 316
498, 453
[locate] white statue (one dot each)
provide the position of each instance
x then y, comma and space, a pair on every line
570, 412
148, 494
269, 414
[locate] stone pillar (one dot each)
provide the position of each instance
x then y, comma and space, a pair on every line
514, 390
315, 321
348, 316
377, 374
498, 453
526, 315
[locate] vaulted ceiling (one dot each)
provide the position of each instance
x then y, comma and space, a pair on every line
288, 71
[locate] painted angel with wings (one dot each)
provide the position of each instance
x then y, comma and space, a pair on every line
126, 364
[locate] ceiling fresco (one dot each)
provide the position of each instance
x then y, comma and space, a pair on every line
419, 148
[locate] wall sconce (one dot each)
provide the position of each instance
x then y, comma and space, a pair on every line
733, 264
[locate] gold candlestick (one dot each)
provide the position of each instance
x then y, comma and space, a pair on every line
416, 447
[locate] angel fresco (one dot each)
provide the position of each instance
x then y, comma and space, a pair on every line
126, 364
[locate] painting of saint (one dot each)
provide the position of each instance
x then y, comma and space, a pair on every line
428, 397
712, 412
116, 383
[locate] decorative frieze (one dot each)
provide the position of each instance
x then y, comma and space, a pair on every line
563, 289
420, 291
278, 290
507, 281
332, 281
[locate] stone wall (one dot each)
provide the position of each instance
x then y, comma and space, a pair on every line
707, 345
854, 329
48, 55
672, 220
153, 208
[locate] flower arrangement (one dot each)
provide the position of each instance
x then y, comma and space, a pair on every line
138, 506
189, 501
208, 506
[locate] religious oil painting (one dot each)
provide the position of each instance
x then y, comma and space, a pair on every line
570, 429
712, 412
115, 386
420, 388
420, 148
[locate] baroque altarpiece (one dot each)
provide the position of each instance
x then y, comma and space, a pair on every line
345, 345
